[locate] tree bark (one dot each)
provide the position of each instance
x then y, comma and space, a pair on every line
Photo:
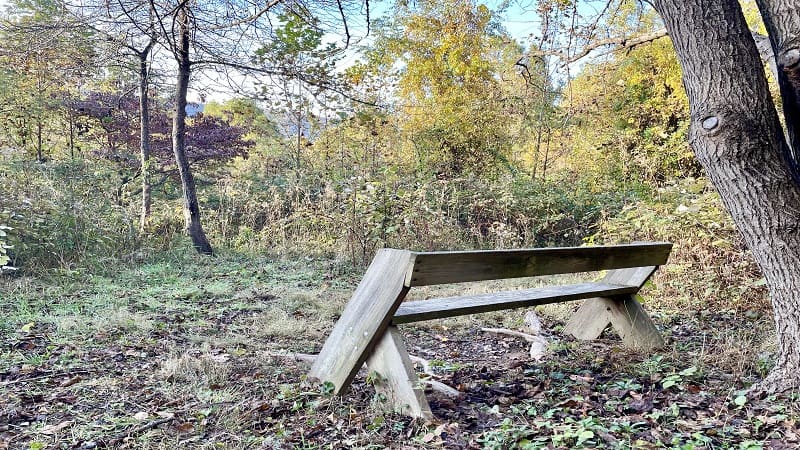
737, 137
144, 137
191, 207
782, 19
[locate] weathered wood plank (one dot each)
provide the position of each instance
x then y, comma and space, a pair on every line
417, 311
625, 315
632, 324
634, 276
364, 319
455, 267
398, 381
589, 321
594, 315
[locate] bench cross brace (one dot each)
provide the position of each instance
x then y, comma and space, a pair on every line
623, 313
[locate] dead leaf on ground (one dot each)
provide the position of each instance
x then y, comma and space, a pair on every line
53, 429
69, 382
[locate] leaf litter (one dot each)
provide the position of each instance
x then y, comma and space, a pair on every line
203, 377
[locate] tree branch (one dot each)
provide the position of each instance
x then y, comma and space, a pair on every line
621, 43
249, 19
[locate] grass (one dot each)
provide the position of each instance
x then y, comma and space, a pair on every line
181, 351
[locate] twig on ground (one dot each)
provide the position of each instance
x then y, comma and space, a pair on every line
443, 388
117, 438
519, 334
426, 366
538, 343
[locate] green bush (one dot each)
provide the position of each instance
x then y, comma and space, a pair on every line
64, 214
264, 204
710, 266
6, 237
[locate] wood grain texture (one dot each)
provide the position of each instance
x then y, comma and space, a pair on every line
456, 267
632, 324
626, 316
634, 276
364, 319
417, 311
589, 321
397, 381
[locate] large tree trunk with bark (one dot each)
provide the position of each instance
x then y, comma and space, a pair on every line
782, 19
737, 137
191, 207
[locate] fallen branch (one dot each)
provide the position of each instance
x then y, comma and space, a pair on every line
426, 366
442, 388
519, 334
149, 425
538, 344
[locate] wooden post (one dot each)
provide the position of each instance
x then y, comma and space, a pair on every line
589, 321
364, 319
397, 379
624, 313
632, 324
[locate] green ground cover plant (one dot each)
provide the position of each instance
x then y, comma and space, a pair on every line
181, 350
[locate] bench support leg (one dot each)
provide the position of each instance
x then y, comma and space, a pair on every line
589, 321
364, 320
397, 380
624, 313
632, 324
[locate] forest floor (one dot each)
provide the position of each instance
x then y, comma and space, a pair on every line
189, 352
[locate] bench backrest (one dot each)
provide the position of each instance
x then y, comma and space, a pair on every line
431, 268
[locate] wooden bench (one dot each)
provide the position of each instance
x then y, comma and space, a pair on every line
367, 332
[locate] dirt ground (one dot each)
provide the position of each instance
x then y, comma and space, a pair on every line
153, 360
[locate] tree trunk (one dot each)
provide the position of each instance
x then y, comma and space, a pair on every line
782, 19
737, 137
144, 138
191, 208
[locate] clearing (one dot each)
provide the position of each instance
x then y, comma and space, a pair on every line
190, 352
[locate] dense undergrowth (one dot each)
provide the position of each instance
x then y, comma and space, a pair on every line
73, 215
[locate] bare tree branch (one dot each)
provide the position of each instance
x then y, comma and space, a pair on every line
619, 43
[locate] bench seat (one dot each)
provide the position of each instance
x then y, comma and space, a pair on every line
438, 308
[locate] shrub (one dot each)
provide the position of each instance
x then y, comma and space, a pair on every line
64, 213
710, 266
263, 204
